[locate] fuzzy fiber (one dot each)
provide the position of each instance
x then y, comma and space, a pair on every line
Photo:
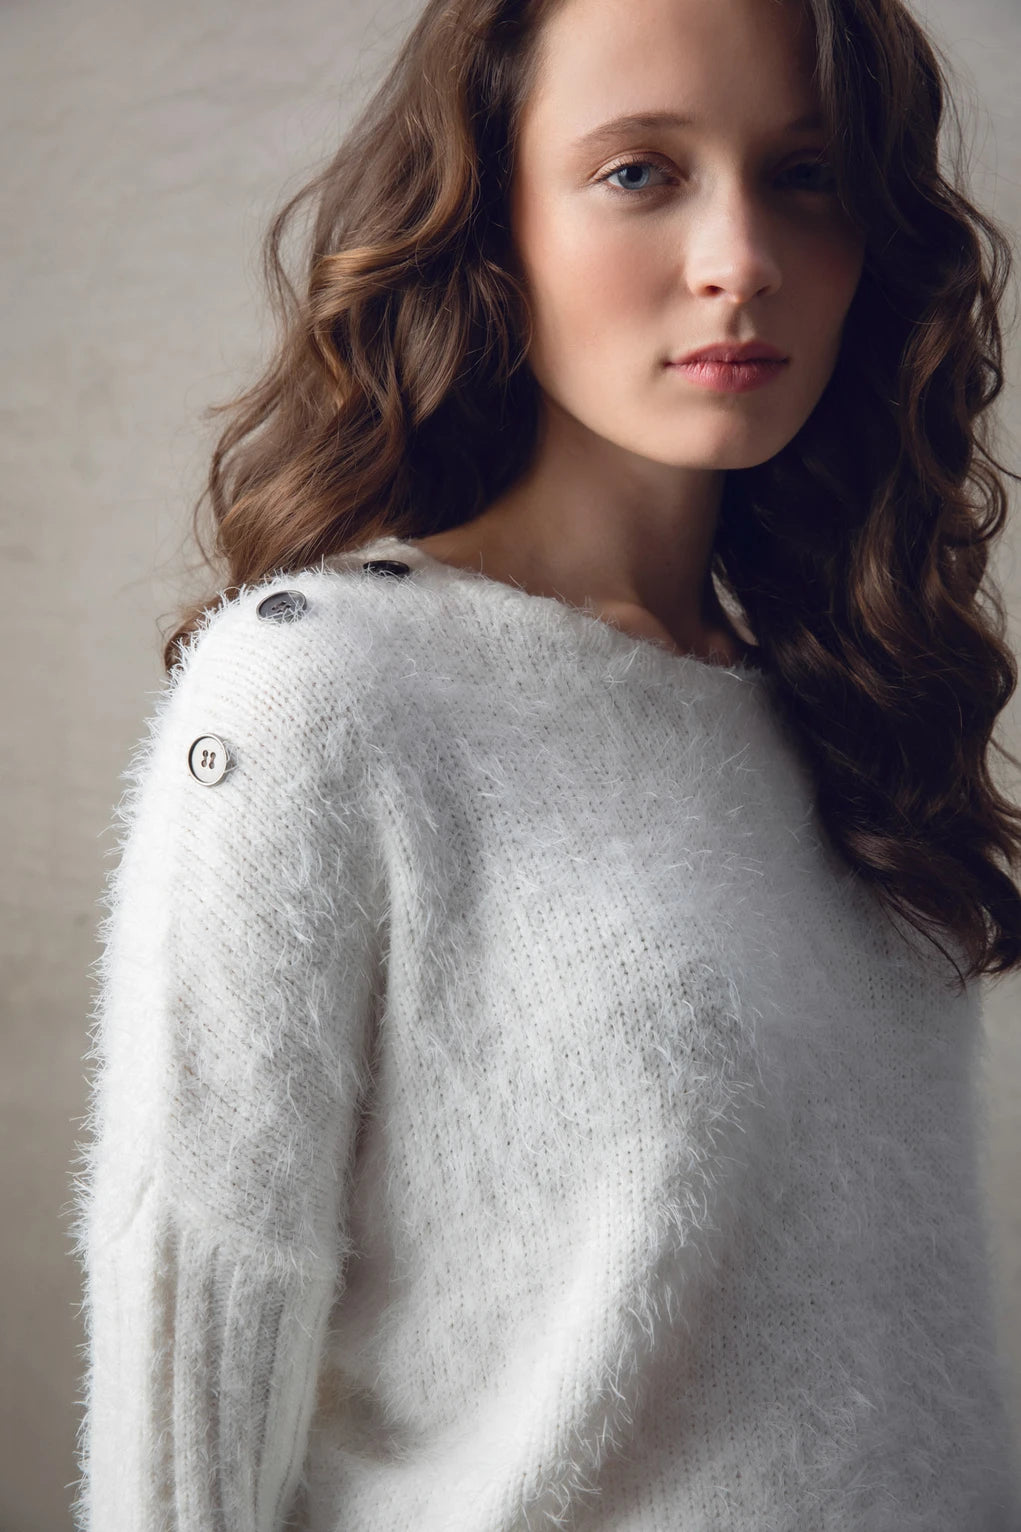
508, 1111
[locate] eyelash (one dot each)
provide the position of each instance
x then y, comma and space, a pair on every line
645, 191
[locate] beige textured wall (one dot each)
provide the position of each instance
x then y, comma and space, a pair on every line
144, 145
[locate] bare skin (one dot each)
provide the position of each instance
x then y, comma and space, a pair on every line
635, 250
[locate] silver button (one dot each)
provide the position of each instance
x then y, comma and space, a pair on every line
209, 759
282, 605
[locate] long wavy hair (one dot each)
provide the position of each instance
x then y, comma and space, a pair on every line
398, 401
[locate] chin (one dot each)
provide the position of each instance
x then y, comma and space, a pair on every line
722, 460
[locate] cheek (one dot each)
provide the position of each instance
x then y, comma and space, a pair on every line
825, 278
587, 277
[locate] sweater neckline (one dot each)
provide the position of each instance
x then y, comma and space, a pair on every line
391, 546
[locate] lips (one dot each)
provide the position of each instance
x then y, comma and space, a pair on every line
748, 351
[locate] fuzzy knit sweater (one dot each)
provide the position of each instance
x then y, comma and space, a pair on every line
508, 1112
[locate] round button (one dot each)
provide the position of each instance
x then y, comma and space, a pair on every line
209, 759
387, 567
282, 605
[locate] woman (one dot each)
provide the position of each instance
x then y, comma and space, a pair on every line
523, 1098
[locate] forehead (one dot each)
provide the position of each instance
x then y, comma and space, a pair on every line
701, 62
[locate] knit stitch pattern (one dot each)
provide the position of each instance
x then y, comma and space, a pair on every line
508, 1112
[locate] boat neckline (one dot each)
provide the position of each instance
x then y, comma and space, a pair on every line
653, 646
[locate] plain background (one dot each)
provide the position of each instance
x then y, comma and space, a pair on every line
144, 149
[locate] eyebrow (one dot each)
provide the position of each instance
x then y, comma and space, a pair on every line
636, 122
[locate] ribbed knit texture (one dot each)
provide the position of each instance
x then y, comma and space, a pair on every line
508, 1112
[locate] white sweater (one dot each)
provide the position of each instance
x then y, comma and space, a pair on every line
508, 1111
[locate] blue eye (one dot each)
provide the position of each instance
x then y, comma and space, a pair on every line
821, 166
630, 165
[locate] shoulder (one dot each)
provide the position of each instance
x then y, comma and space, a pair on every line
297, 646
302, 671
278, 682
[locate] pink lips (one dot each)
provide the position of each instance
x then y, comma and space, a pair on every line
725, 351
732, 369
730, 377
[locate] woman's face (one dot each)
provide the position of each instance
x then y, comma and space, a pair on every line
723, 231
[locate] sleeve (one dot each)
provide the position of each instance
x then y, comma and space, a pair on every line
236, 977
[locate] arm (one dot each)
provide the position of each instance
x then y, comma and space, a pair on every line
235, 988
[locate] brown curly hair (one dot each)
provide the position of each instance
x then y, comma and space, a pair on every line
398, 402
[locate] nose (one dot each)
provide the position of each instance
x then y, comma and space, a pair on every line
729, 247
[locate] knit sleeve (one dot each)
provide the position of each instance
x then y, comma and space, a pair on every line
230, 1039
